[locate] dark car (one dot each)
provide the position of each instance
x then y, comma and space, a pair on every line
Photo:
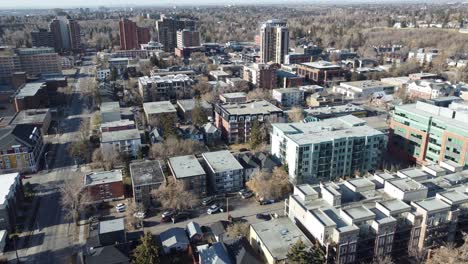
181, 216
167, 215
208, 200
268, 201
264, 216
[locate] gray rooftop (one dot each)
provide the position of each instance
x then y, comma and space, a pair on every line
432, 205
250, 108
159, 107
221, 161
334, 109
186, 166
110, 107
278, 235
234, 95
288, 90
146, 172
120, 135
30, 89
359, 213
326, 130
367, 84
321, 65
453, 197
31, 116
189, 104
111, 225
103, 177
168, 79
406, 184
395, 206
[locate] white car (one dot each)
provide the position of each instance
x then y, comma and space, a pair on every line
120, 208
213, 209
139, 215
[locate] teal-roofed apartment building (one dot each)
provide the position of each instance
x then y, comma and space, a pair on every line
425, 133
328, 149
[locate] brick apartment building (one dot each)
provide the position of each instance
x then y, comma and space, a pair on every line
261, 75
105, 185
235, 120
321, 72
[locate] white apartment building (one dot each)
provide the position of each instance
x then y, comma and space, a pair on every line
328, 149
429, 89
287, 97
363, 89
124, 141
423, 55
167, 87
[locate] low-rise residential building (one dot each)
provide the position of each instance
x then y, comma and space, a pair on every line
327, 149
423, 55
119, 64
219, 75
146, 176
189, 171
255, 162
112, 232
21, 148
214, 253
261, 75
110, 111
41, 118
288, 97
154, 111
126, 142
384, 215
123, 124
174, 240
429, 89
104, 186
325, 112
398, 82
185, 107
211, 133
11, 196
424, 132
363, 89
168, 87
321, 73
272, 239
423, 76
235, 120
239, 97
224, 172
103, 74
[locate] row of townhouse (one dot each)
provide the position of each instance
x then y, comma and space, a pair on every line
384, 215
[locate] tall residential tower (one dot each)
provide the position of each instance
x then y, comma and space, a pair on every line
274, 36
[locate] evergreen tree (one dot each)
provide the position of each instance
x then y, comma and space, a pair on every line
300, 254
147, 251
168, 125
255, 135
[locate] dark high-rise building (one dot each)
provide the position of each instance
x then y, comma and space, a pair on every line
167, 28
131, 36
42, 38
66, 34
274, 41
75, 35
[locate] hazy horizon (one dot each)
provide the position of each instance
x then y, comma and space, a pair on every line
33, 4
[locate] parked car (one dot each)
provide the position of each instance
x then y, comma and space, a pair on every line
167, 215
267, 201
120, 208
208, 200
264, 216
242, 191
247, 195
181, 216
215, 208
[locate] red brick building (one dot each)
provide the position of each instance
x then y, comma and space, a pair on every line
105, 185
131, 36
321, 73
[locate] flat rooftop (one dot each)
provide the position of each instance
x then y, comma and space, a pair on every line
189, 104
432, 204
288, 90
222, 160
406, 184
111, 225
30, 116
186, 166
128, 134
250, 108
234, 95
367, 84
395, 206
170, 78
347, 108
123, 122
159, 107
359, 213
453, 197
278, 235
110, 107
413, 173
146, 172
29, 89
326, 130
103, 177
321, 65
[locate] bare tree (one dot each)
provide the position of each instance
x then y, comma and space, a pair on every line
270, 185
74, 198
106, 157
450, 254
173, 195
238, 229
259, 93
174, 147
296, 114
